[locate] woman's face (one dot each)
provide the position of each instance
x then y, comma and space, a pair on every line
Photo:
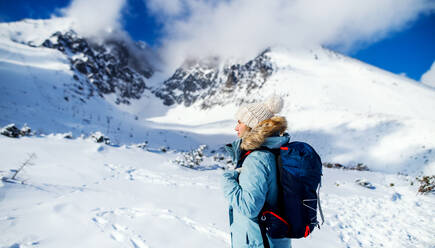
241, 128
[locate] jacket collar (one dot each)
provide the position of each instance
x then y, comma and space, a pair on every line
234, 150
256, 137
274, 142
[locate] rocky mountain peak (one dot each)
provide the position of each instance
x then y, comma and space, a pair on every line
209, 84
105, 68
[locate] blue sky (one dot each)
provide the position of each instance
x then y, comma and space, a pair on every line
410, 50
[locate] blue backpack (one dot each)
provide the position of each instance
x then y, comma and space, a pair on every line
299, 173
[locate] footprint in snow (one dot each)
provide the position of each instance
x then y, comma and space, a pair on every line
118, 232
121, 233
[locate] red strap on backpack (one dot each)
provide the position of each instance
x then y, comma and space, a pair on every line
307, 231
246, 154
277, 216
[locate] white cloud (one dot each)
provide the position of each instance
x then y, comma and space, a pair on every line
242, 28
95, 18
165, 8
428, 77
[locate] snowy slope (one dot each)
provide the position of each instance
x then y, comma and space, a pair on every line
33, 32
37, 87
350, 111
83, 194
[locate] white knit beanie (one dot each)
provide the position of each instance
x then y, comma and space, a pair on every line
254, 113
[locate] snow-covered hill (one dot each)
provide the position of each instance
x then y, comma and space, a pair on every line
350, 111
131, 193
82, 194
72, 87
214, 82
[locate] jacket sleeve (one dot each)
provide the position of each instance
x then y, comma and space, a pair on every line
248, 194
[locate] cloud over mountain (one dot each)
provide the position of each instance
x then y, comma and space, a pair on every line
242, 28
428, 77
95, 17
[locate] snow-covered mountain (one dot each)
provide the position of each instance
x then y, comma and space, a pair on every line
62, 82
352, 112
212, 82
131, 192
110, 67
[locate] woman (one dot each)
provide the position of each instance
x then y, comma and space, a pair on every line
253, 183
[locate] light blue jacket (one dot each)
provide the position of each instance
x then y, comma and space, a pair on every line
248, 191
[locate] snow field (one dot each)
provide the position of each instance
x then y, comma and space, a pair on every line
387, 216
88, 196
80, 193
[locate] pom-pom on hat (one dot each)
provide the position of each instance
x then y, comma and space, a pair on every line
252, 114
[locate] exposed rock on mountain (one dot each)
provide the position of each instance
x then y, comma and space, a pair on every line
105, 68
210, 84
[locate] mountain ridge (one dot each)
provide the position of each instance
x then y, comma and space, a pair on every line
331, 100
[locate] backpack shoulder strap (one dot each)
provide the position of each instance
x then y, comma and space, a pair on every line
276, 153
318, 201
